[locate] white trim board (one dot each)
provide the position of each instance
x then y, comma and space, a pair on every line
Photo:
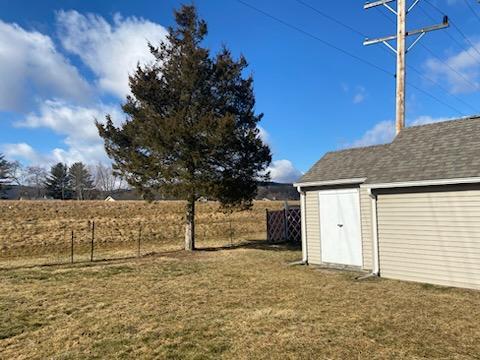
456, 181
352, 181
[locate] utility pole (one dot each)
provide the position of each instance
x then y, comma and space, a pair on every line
401, 54
401, 50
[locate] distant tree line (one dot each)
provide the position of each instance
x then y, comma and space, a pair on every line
77, 181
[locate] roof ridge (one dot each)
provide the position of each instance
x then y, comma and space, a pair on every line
357, 148
448, 120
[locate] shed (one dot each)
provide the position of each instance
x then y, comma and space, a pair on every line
109, 198
408, 210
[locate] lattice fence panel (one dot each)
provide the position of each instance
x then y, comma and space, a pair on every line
276, 226
294, 222
284, 225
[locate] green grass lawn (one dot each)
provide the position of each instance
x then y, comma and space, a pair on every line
243, 303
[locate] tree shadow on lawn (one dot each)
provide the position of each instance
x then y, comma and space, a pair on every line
249, 244
255, 245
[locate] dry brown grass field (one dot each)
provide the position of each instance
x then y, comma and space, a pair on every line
39, 232
239, 303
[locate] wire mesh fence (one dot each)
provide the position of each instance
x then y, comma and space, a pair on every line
96, 240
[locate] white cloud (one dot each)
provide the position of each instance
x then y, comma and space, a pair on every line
31, 66
26, 153
283, 171
384, 131
465, 75
77, 124
359, 92
34, 72
345, 87
264, 135
111, 51
20, 151
426, 119
360, 95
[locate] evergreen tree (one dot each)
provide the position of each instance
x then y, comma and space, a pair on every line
191, 129
4, 173
80, 180
58, 183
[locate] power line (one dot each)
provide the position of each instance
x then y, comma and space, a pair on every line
401, 49
474, 86
435, 98
324, 42
467, 39
331, 18
444, 62
343, 51
458, 30
441, 87
459, 44
472, 10
459, 74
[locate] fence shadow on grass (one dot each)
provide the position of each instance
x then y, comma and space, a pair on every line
95, 262
256, 245
250, 244
98, 242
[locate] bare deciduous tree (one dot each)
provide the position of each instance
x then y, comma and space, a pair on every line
16, 173
36, 177
105, 180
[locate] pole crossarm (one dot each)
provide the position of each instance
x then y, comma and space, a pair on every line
419, 37
373, 4
387, 44
401, 49
412, 6
421, 31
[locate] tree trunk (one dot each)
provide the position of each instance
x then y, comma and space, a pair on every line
190, 225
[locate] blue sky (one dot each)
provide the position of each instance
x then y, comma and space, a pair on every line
62, 64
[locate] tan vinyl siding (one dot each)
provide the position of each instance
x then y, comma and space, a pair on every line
313, 227
431, 237
366, 221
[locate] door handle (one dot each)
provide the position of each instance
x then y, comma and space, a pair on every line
340, 225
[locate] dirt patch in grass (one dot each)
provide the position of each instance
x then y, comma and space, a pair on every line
245, 303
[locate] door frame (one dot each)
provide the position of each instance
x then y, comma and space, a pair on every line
359, 220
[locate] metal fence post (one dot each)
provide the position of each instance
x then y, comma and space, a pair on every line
268, 226
231, 233
93, 241
139, 240
71, 249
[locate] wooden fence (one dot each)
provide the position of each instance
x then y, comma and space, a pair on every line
284, 225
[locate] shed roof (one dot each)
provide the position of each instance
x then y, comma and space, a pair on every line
443, 150
345, 164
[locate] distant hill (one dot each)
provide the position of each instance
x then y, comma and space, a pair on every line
266, 191
277, 191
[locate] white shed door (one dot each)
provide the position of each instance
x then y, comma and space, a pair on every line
340, 236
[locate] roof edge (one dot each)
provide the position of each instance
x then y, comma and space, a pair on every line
357, 148
446, 120
453, 181
352, 181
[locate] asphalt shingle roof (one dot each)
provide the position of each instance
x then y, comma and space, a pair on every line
345, 164
444, 150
